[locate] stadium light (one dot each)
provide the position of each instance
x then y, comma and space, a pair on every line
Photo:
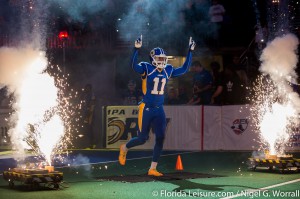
63, 35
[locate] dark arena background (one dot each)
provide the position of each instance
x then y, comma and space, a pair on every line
69, 98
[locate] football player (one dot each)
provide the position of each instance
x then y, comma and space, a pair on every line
155, 76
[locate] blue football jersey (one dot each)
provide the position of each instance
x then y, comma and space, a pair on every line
154, 84
154, 81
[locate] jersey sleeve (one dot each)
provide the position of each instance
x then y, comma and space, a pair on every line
184, 68
139, 68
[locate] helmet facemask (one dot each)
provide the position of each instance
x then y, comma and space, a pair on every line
158, 58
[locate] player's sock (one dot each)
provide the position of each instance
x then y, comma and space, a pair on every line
153, 165
124, 148
152, 171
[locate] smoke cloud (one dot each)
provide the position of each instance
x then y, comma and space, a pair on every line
78, 10
144, 15
82, 164
14, 65
278, 104
28, 24
162, 22
22, 71
279, 60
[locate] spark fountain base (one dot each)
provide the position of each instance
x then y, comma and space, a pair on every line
275, 163
34, 178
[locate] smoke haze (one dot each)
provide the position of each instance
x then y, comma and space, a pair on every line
78, 10
14, 65
279, 58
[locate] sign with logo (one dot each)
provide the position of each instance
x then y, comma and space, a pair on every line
239, 126
122, 125
236, 129
182, 132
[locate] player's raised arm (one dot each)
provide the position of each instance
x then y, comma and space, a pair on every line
134, 65
185, 67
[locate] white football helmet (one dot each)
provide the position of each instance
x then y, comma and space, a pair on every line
158, 58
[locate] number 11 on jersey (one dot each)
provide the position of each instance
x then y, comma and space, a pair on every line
155, 90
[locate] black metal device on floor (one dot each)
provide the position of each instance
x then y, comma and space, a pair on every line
272, 163
34, 178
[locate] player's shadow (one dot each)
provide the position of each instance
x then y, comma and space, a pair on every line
184, 182
189, 185
181, 179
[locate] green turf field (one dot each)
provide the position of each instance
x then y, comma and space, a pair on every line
218, 175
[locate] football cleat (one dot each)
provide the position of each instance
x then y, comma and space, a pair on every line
122, 156
154, 172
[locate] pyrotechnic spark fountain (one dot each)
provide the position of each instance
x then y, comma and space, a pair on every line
36, 96
276, 105
45, 110
44, 116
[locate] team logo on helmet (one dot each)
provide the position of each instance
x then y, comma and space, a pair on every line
158, 58
239, 126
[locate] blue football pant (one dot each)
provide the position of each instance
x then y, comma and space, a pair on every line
150, 117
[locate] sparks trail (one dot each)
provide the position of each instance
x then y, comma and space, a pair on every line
275, 104
52, 132
273, 114
68, 108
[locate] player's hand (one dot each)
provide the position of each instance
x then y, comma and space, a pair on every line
192, 44
138, 43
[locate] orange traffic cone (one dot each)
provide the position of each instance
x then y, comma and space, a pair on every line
179, 166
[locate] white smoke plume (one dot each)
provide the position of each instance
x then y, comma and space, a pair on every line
14, 64
35, 94
277, 104
83, 165
279, 61
79, 10
162, 22
279, 58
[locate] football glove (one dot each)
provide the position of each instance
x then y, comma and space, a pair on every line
192, 44
138, 42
